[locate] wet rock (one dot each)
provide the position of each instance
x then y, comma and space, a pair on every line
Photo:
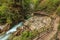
18, 32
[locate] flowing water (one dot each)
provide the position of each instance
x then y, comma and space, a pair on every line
8, 33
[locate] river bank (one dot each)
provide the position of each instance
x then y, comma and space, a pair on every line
32, 26
8, 33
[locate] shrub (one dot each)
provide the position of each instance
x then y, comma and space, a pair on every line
49, 6
26, 35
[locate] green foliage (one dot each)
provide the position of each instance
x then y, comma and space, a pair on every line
16, 38
26, 8
26, 35
59, 27
49, 5
52, 6
43, 4
7, 15
35, 4
29, 6
58, 11
3, 12
10, 11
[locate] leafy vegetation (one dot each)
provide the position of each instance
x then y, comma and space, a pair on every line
59, 27
14, 11
58, 11
49, 6
26, 35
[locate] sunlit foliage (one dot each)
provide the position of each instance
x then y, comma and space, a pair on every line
26, 35
49, 5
